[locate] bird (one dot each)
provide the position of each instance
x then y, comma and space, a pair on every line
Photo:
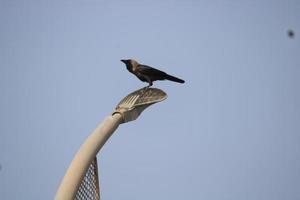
148, 74
291, 33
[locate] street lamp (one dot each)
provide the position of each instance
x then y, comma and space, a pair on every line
127, 110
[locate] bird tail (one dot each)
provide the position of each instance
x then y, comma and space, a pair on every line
175, 79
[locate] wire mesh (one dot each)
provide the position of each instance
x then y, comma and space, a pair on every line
89, 187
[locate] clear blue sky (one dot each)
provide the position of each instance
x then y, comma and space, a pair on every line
232, 131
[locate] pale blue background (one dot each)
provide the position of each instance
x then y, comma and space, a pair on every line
231, 132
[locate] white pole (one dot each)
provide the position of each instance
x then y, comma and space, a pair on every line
84, 157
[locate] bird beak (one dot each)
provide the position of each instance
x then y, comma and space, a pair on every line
124, 61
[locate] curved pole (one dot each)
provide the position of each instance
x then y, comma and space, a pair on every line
85, 155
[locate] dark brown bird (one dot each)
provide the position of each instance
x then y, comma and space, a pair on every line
148, 74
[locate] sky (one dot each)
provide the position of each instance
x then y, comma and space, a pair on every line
232, 131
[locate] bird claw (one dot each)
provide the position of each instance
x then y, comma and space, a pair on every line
146, 87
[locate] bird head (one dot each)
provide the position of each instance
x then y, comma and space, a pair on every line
126, 62
130, 64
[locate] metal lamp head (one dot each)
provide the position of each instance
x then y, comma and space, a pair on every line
136, 102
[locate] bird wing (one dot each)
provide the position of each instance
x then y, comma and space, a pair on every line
150, 71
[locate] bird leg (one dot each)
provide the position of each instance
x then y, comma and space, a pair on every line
146, 87
148, 79
150, 84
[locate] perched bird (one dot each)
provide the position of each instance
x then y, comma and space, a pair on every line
148, 74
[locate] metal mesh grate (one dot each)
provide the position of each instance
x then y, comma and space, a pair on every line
89, 187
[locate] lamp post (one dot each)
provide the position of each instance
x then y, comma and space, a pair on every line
127, 110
